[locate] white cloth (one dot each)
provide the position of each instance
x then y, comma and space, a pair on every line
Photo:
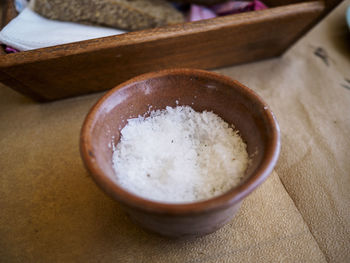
31, 31
20, 5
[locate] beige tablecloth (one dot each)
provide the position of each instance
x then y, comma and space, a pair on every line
51, 210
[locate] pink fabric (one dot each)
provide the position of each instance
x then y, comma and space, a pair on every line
198, 12
234, 7
10, 50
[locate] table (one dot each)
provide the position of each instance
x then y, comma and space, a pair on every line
51, 210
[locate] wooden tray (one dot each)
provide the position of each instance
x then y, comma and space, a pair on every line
99, 64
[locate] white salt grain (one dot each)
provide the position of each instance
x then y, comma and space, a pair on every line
178, 155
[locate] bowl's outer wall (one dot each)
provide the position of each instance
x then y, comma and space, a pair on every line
184, 226
202, 92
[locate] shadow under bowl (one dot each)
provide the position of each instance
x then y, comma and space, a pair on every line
202, 90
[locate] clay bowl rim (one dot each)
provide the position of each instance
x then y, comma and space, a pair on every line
225, 200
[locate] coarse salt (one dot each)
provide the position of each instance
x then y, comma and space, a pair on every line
178, 155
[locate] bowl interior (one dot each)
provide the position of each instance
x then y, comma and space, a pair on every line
202, 91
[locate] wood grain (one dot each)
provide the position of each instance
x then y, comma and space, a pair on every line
7, 12
100, 64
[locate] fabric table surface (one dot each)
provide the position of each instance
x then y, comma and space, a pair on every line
52, 211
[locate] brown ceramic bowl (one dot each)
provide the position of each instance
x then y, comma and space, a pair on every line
201, 90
